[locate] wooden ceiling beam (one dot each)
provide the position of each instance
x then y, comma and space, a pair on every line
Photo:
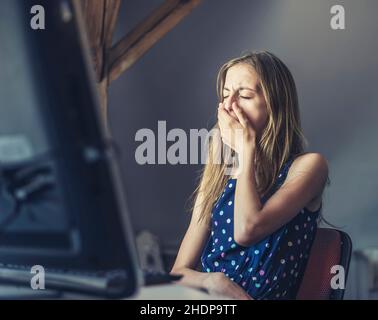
111, 16
135, 44
111, 61
93, 11
101, 19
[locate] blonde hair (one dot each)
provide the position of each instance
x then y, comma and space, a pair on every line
281, 138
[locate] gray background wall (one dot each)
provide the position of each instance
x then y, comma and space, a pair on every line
336, 76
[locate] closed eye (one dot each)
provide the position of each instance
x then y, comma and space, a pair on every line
247, 98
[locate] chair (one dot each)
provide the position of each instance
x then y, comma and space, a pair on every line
331, 247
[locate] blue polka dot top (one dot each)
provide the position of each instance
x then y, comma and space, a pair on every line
270, 269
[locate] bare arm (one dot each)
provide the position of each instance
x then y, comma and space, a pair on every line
191, 248
304, 184
253, 221
188, 258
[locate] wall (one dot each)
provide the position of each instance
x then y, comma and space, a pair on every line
336, 77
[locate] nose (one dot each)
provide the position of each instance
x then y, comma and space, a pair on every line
230, 99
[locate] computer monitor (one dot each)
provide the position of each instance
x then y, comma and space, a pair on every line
62, 203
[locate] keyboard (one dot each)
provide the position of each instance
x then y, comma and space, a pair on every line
157, 277
107, 284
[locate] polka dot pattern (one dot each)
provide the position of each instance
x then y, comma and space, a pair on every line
269, 269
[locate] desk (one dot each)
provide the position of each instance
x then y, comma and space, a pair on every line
174, 292
163, 292
155, 292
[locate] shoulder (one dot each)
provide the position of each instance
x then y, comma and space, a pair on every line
310, 163
309, 168
310, 172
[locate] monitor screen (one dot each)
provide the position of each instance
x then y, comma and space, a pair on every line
62, 203
28, 150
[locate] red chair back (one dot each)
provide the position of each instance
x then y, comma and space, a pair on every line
331, 247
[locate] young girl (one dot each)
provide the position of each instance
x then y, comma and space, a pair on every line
253, 232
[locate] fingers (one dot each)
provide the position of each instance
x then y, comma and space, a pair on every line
228, 118
242, 118
230, 111
242, 294
227, 124
235, 291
